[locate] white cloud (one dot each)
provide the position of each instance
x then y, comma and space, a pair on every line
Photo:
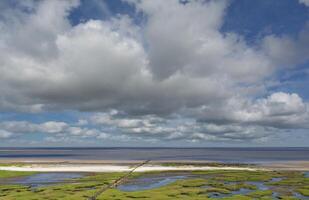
178, 63
48, 127
111, 119
287, 52
52, 127
186, 38
5, 134
28, 127
99, 65
279, 110
178, 128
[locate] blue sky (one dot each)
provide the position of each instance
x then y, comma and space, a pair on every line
154, 73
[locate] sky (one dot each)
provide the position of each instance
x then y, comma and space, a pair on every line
163, 73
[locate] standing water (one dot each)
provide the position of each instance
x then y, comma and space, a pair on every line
44, 179
147, 183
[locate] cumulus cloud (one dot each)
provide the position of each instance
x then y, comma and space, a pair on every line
279, 110
49, 127
178, 63
186, 38
98, 65
239, 120
5, 134
177, 128
287, 52
28, 127
57, 131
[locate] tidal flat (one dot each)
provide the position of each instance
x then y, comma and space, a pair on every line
159, 185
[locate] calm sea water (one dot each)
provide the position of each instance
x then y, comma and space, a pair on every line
244, 155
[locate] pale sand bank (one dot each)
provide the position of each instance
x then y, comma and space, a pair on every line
56, 165
114, 168
288, 165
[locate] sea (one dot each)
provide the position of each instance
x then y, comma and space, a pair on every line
225, 155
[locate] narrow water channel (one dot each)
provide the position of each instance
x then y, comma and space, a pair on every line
149, 182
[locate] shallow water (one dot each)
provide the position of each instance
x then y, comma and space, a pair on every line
243, 191
259, 184
147, 183
299, 196
44, 179
220, 195
276, 179
234, 155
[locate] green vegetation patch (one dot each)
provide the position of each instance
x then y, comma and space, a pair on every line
303, 191
11, 174
197, 186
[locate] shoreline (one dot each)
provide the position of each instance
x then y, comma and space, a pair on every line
56, 165
115, 168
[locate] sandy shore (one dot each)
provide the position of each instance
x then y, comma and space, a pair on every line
56, 165
288, 165
113, 168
